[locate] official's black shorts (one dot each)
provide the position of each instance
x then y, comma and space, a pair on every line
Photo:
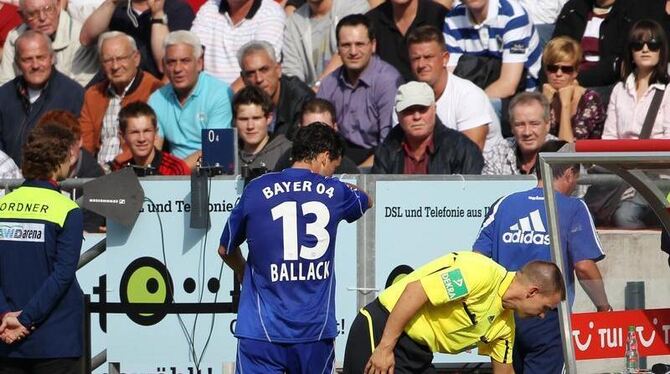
365, 334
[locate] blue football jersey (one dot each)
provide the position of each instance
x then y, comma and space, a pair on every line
289, 220
515, 232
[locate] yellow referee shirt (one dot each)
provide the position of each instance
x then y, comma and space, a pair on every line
464, 307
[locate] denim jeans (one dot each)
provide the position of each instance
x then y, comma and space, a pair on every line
634, 213
544, 31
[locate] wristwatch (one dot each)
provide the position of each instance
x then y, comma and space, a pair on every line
162, 20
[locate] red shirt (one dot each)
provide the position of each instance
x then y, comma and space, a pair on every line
590, 43
163, 163
413, 165
9, 19
196, 4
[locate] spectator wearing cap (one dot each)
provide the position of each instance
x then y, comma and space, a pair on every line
421, 144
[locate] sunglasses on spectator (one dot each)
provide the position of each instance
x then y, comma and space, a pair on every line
564, 68
653, 45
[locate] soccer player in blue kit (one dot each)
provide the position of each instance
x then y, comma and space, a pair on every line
515, 233
286, 319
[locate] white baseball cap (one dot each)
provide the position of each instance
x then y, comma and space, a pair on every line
414, 93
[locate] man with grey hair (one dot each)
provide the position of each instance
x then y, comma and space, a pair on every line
124, 83
529, 122
71, 58
226, 25
259, 67
146, 21
39, 88
192, 101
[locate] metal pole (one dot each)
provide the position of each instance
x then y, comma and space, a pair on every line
98, 360
86, 354
365, 238
114, 368
557, 256
92, 253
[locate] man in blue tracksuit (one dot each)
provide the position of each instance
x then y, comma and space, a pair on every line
41, 304
515, 233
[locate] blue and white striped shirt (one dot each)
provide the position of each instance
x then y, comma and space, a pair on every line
507, 33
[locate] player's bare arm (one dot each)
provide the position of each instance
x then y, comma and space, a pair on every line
409, 303
234, 260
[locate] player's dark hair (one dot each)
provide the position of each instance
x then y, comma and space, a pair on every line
47, 147
314, 139
557, 169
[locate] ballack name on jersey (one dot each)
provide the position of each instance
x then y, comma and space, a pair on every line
299, 271
529, 230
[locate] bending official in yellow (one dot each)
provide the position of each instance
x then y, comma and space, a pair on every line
457, 302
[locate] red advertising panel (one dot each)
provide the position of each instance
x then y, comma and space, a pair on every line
603, 335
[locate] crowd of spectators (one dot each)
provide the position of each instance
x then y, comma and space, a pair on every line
411, 86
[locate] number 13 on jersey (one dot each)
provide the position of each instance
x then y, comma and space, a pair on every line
287, 213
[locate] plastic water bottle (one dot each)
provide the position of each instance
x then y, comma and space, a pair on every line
632, 355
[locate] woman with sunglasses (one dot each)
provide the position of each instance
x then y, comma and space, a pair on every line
643, 73
576, 112
644, 70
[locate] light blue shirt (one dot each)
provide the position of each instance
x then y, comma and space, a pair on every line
208, 107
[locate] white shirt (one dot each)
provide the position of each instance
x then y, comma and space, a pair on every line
222, 39
626, 114
33, 95
80, 9
543, 11
540, 11
463, 106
